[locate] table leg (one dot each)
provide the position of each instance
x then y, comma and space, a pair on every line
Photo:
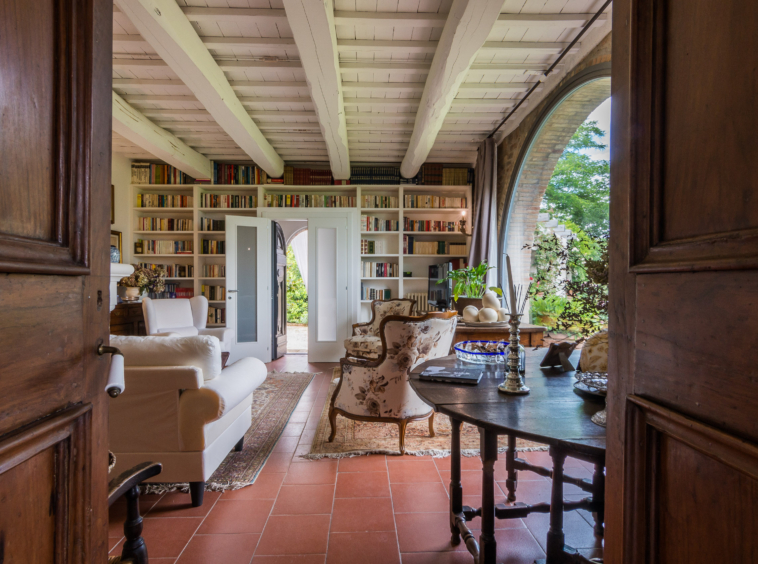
598, 494
488, 453
456, 490
510, 457
555, 537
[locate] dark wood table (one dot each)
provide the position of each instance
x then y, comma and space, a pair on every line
552, 414
530, 336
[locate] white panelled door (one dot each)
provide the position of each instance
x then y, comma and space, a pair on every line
328, 311
248, 286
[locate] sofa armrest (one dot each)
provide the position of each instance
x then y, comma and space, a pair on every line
162, 378
221, 333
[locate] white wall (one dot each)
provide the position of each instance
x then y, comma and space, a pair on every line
291, 226
121, 177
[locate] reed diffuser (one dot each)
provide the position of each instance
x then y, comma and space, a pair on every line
515, 304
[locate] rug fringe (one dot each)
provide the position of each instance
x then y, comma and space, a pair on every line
434, 453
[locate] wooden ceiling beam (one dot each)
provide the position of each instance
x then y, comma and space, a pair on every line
165, 27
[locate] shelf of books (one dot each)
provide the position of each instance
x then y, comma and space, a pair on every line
405, 226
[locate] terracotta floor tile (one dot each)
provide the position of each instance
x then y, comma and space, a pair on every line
471, 481
579, 533
219, 549
363, 548
300, 416
355, 515
458, 557
517, 546
277, 463
306, 438
266, 486
293, 429
403, 472
294, 534
425, 532
542, 457
179, 504
302, 450
304, 500
370, 463
467, 463
116, 546
165, 537
531, 492
291, 559
231, 516
362, 484
321, 472
420, 498
286, 444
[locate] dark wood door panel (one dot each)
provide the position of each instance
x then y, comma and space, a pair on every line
696, 336
696, 490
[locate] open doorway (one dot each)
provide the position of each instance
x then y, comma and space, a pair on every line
297, 293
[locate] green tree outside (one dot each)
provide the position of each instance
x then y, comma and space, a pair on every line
297, 295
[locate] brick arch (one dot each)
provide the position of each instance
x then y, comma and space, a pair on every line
551, 135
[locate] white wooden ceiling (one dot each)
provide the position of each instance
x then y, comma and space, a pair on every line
385, 49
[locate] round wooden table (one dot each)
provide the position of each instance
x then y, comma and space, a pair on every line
552, 414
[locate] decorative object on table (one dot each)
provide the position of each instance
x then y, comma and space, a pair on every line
594, 357
115, 246
488, 352
141, 280
470, 287
458, 374
594, 384
558, 355
516, 303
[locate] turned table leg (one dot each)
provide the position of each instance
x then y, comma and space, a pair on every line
598, 494
555, 537
510, 458
456, 490
487, 543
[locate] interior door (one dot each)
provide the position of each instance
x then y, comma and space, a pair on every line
55, 137
248, 286
683, 394
328, 324
279, 295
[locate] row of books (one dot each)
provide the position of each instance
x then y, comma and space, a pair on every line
207, 224
369, 247
228, 201
370, 269
307, 201
172, 291
149, 173
238, 174
368, 293
380, 202
371, 223
160, 247
375, 175
212, 247
163, 201
213, 293
431, 202
413, 247
430, 226
172, 270
163, 224
214, 271
216, 315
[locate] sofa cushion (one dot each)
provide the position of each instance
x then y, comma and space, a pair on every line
203, 352
160, 315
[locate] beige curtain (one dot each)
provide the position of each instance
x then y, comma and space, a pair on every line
484, 221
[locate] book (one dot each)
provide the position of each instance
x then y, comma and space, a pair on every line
452, 375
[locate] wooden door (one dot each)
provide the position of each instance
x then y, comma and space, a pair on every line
683, 400
55, 135
279, 297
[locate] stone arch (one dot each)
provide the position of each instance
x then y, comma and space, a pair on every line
545, 144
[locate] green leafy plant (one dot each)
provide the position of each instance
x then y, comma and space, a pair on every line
547, 309
470, 282
297, 295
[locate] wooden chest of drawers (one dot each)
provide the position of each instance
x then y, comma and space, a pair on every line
127, 319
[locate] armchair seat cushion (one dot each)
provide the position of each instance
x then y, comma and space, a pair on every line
363, 345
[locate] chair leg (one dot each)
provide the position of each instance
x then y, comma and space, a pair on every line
197, 489
134, 549
333, 423
402, 424
239, 445
431, 425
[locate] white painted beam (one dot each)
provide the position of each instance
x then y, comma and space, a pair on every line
217, 42
157, 98
261, 114
231, 15
531, 46
466, 29
223, 64
426, 47
419, 86
435, 20
134, 126
163, 24
548, 20
235, 84
312, 25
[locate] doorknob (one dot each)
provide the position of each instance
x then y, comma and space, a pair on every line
115, 384
231, 291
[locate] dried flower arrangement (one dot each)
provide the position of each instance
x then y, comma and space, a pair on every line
146, 279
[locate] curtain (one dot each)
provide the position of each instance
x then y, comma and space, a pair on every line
484, 220
300, 249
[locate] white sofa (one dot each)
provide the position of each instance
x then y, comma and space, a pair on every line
184, 317
179, 408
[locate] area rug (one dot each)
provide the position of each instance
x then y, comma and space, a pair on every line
355, 438
273, 404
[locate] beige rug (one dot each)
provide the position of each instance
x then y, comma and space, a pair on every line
355, 438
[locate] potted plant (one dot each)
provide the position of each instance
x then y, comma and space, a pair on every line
469, 285
142, 280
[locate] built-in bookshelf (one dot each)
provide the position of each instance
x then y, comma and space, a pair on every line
388, 219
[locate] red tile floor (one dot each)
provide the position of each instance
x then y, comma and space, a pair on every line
363, 510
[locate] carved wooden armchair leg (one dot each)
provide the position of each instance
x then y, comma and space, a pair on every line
127, 484
431, 425
402, 424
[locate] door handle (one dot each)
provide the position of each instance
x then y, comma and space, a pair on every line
115, 384
231, 291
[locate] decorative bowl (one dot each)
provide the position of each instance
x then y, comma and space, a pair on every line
475, 351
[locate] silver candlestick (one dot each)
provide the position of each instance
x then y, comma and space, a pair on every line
513, 383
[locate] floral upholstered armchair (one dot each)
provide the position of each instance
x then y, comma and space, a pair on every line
365, 342
379, 390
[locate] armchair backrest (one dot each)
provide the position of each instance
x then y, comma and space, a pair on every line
200, 351
185, 316
381, 309
409, 341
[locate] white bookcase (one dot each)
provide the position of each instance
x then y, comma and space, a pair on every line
417, 265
